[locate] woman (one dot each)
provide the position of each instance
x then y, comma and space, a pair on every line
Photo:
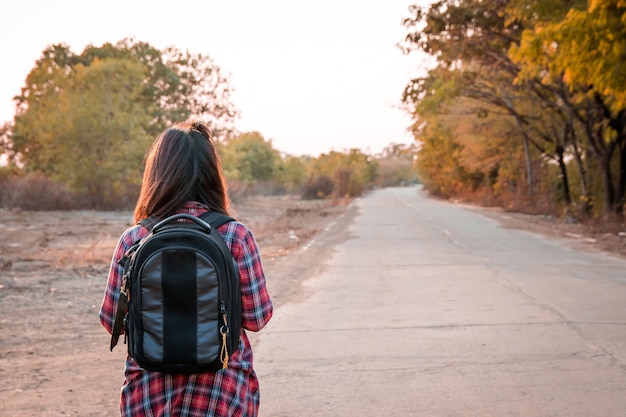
183, 174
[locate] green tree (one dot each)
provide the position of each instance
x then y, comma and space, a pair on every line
6, 147
352, 172
106, 133
250, 158
181, 83
41, 110
92, 137
294, 172
86, 120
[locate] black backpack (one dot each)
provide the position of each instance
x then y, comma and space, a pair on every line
181, 286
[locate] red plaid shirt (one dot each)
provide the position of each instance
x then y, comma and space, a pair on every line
228, 392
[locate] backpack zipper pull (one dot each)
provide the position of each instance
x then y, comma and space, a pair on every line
224, 352
224, 330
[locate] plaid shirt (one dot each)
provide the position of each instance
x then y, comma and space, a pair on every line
228, 392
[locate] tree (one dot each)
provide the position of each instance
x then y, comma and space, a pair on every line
294, 172
350, 172
437, 163
86, 120
205, 91
182, 84
106, 131
6, 147
250, 158
41, 110
472, 42
92, 137
584, 48
395, 165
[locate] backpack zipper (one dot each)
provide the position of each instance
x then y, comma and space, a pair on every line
224, 330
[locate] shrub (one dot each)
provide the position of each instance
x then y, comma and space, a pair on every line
317, 187
35, 192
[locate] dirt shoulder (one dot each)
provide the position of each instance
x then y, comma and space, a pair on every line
592, 236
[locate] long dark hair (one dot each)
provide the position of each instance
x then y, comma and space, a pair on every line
182, 165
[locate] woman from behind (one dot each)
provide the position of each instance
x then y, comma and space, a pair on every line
183, 174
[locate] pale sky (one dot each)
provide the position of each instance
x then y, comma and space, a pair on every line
311, 76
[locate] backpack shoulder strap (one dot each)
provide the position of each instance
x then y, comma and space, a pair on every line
148, 223
216, 219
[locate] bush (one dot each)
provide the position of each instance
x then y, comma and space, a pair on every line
35, 192
238, 191
317, 187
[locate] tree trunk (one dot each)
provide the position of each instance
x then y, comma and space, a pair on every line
564, 178
607, 180
620, 190
619, 125
586, 203
529, 168
594, 128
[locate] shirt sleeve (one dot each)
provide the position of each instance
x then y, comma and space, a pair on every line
255, 300
111, 298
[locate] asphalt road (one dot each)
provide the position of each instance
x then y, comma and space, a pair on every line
430, 309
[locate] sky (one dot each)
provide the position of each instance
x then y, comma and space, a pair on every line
312, 77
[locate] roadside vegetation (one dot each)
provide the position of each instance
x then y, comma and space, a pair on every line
84, 121
524, 106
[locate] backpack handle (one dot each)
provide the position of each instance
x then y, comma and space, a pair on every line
181, 216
